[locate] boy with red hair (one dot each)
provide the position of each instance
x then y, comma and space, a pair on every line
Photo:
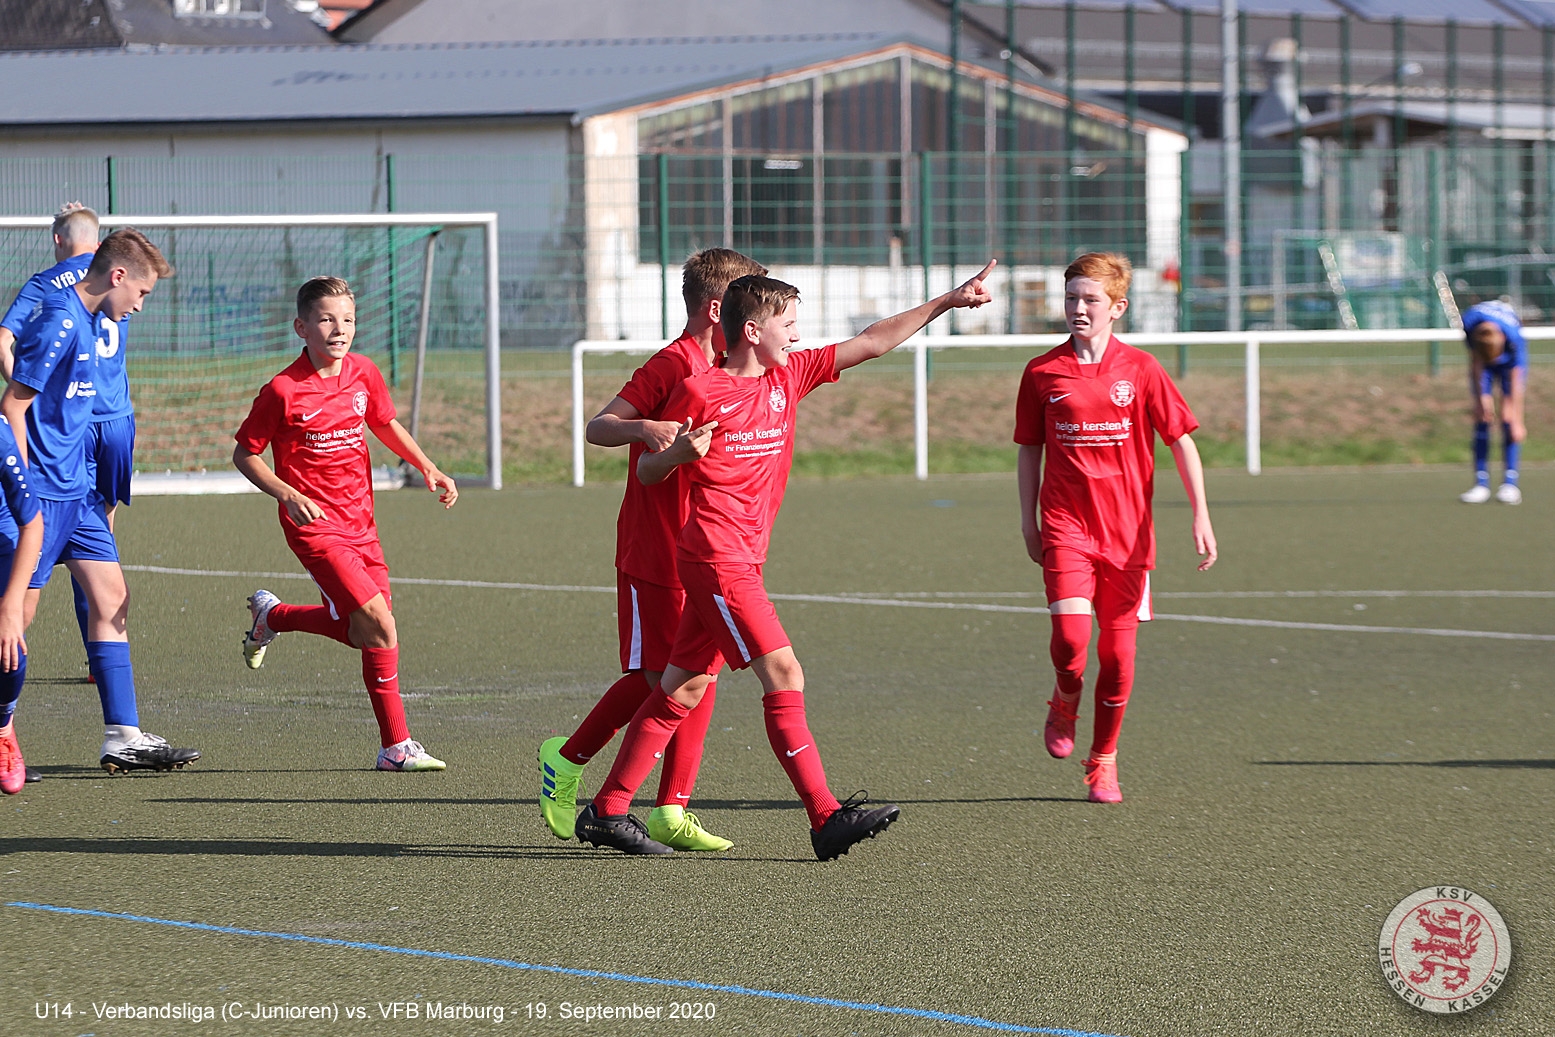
1095, 406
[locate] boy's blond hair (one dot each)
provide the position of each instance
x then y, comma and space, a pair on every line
316, 288
707, 274
78, 226
753, 297
1112, 269
130, 249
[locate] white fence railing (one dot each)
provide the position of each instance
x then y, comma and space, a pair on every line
1252, 342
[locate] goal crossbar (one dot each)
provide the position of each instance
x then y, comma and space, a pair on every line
485, 220
920, 345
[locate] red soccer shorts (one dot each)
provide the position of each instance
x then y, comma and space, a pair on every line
1120, 598
648, 616
349, 575
727, 616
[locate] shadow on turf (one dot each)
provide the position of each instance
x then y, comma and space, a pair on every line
1486, 764
254, 848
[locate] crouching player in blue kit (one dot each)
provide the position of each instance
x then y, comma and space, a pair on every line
53, 386
21, 537
1498, 357
110, 444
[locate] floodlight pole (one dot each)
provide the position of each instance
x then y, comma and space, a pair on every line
1231, 152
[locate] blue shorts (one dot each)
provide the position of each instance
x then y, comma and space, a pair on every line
110, 459
73, 530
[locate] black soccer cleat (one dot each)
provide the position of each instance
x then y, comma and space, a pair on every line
144, 752
852, 823
618, 831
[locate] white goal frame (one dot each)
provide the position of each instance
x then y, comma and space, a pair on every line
485, 220
1251, 341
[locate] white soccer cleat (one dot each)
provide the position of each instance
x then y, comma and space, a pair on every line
1478, 495
130, 749
408, 755
1508, 493
259, 633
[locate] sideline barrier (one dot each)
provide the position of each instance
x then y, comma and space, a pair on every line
1252, 341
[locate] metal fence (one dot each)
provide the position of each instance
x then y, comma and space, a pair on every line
590, 249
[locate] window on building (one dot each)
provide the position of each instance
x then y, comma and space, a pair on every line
219, 8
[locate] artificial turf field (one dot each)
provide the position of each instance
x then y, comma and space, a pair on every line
1284, 787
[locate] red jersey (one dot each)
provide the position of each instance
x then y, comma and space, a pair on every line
1097, 424
737, 489
651, 516
317, 429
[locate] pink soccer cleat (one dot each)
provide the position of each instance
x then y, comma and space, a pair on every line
1058, 732
13, 772
1102, 776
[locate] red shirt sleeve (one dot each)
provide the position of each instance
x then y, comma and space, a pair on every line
812, 368
652, 383
264, 417
686, 399
380, 404
1169, 412
1028, 410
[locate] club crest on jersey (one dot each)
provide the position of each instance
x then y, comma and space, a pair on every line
1122, 393
359, 403
777, 400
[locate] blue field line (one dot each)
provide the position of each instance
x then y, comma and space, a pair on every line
622, 977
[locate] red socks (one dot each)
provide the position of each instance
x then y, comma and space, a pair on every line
309, 619
610, 714
381, 674
1115, 648
789, 734
649, 733
683, 756
1071, 639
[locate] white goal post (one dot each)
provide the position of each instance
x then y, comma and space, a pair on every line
1251, 341
486, 221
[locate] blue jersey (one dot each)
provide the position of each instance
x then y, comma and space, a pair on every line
61, 275
1504, 317
56, 356
113, 381
21, 507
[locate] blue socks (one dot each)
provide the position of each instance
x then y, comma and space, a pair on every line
110, 662
1482, 453
1514, 452
11, 690
80, 596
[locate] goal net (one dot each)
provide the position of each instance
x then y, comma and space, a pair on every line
212, 335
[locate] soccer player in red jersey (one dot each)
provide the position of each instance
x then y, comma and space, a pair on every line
649, 597
315, 416
737, 441
1095, 406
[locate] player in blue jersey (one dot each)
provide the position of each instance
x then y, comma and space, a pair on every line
1498, 358
53, 386
110, 445
75, 239
21, 537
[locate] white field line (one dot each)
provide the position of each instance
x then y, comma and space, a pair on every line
917, 602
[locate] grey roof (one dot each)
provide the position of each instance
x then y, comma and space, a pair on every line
558, 78
58, 25
1517, 121
564, 77
1520, 14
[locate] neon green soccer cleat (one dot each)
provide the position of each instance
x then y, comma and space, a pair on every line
678, 827
559, 781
